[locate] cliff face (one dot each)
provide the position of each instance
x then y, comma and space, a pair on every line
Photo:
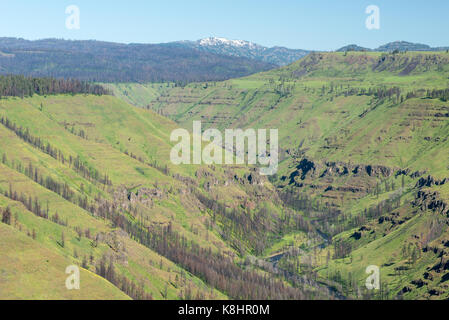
427, 200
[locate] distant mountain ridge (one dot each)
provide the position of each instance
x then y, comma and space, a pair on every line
116, 62
279, 56
392, 46
208, 59
353, 47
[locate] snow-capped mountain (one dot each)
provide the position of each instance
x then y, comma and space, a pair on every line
213, 41
276, 55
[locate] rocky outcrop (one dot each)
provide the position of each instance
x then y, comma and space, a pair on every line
310, 169
378, 171
428, 200
124, 198
419, 283
254, 178
430, 181
115, 241
434, 292
186, 180
406, 289
305, 168
408, 172
145, 196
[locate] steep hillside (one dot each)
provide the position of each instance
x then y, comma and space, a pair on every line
363, 180
89, 180
137, 94
61, 201
38, 273
364, 149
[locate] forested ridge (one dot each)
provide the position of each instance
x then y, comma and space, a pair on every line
22, 86
116, 62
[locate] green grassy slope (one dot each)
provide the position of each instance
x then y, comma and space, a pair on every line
101, 152
138, 94
32, 271
89, 179
362, 181
357, 132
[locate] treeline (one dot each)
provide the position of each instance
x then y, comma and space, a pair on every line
378, 93
76, 163
348, 222
31, 204
62, 189
6, 215
106, 270
103, 269
219, 271
282, 89
243, 229
395, 93
37, 142
21, 86
34, 205
443, 95
332, 221
300, 202
215, 269
253, 229
48, 182
316, 210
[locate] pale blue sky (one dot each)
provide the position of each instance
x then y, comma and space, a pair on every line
305, 24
